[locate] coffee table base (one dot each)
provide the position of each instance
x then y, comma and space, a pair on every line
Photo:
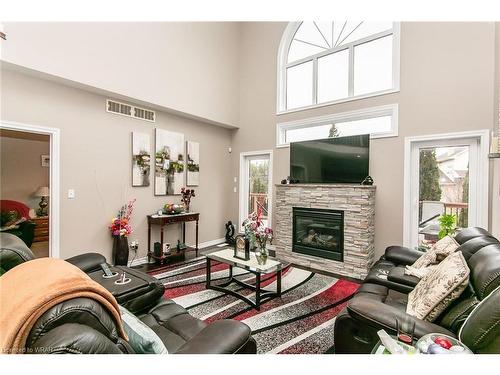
261, 295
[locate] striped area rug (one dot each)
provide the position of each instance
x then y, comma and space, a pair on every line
299, 322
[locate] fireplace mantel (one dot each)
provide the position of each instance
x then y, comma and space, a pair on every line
358, 204
355, 186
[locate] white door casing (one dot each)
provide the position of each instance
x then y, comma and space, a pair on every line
478, 142
54, 201
245, 157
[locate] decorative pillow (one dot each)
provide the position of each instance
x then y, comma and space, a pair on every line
8, 218
441, 249
141, 338
439, 288
419, 272
13, 225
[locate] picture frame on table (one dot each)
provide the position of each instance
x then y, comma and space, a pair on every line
241, 247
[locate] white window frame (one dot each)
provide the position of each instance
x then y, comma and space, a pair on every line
282, 65
243, 193
361, 114
479, 184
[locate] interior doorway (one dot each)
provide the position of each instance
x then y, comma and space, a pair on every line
29, 188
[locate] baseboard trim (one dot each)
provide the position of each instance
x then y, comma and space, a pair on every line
202, 245
138, 261
206, 244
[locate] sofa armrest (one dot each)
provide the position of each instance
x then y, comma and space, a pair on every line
378, 314
397, 275
402, 255
87, 262
221, 337
72, 338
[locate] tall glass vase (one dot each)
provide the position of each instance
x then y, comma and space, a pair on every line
120, 250
261, 253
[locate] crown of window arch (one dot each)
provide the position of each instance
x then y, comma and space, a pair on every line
328, 62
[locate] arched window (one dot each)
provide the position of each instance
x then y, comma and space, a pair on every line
328, 62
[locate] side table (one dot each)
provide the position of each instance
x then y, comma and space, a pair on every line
165, 220
41, 228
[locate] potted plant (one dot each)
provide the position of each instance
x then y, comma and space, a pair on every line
447, 223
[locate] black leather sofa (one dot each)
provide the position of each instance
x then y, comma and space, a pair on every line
474, 317
82, 325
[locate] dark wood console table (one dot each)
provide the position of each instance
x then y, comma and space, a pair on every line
163, 220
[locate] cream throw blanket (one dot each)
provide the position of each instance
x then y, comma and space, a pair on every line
30, 289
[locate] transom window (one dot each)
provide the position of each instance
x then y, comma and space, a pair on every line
379, 122
328, 62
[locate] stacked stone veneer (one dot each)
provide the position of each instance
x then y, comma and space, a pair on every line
358, 204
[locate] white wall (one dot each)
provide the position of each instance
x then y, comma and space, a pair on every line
191, 67
95, 161
445, 87
21, 169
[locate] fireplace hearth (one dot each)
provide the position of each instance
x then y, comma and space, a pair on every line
318, 232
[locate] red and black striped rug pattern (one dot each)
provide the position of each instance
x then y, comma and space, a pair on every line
299, 322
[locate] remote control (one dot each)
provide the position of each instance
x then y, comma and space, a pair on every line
105, 268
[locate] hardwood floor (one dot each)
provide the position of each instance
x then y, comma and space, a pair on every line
40, 249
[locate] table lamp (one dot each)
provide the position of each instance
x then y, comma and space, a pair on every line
43, 192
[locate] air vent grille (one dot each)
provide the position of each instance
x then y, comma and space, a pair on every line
130, 111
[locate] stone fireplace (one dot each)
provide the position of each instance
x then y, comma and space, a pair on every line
326, 227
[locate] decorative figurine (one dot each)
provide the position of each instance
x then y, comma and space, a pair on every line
181, 246
230, 233
367, 181
166, 248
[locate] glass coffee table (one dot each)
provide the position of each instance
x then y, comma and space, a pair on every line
251, 265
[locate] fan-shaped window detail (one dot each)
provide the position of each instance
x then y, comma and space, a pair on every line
328, 62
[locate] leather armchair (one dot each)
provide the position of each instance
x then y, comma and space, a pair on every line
82, 326
139, 295
26, 229
473, 317
389, 269
13, 252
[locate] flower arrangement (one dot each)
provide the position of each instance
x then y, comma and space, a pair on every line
187, 194
120, 224
256, 231
142, 159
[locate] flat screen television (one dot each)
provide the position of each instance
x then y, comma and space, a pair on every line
330, 160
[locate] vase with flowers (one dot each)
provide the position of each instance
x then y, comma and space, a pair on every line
120, 229
187, 194
259, 235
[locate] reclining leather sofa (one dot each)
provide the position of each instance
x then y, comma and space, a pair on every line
82, 325
474, 317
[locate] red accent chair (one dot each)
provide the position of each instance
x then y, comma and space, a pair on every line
26, 229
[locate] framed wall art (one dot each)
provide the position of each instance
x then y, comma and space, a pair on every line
141, 159
193, 163
45, 160
169, 162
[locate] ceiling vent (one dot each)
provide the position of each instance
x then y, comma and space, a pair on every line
130, 110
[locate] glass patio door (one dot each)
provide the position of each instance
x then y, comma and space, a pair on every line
255, 186
444, 181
